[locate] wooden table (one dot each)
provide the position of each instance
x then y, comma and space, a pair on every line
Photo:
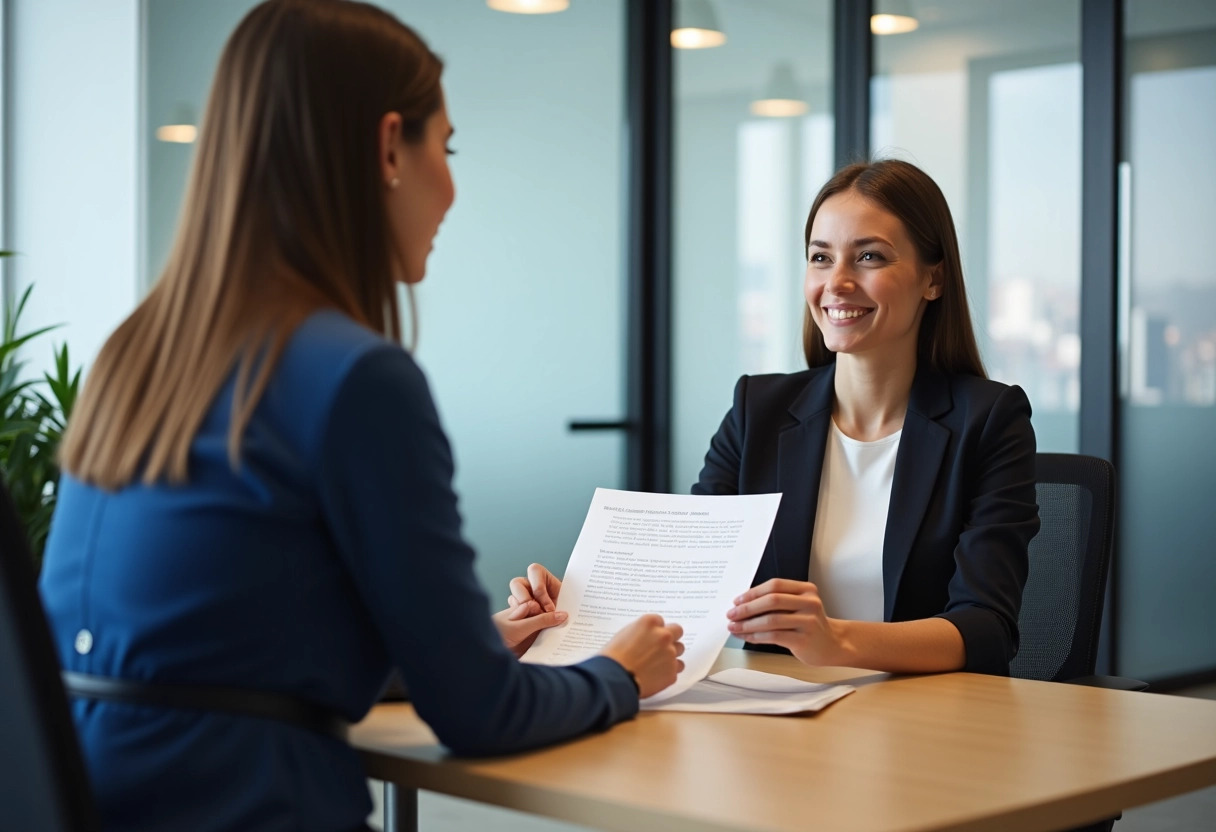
955, 751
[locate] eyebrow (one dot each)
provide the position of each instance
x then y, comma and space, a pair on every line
861, 241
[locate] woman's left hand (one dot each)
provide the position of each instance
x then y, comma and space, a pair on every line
520, 625
789, 614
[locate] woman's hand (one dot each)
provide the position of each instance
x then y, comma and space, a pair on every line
520, 624
788, 614
540, 587
650, 650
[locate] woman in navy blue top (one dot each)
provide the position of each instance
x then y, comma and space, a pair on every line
257, 491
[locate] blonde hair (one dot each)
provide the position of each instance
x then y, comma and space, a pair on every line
283, 215
946, 341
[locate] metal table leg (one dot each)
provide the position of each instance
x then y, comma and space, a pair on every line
400, 809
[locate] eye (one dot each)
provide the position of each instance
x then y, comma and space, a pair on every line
818, 257
870, 256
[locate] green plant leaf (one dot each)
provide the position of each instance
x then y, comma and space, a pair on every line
33, 416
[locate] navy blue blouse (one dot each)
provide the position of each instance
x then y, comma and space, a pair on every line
333, 554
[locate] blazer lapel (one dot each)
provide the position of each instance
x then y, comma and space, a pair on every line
921, 449
800, 452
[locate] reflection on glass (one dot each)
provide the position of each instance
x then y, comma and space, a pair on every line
1034, 233
1172, 329
753, 129
1168, 340
987, 99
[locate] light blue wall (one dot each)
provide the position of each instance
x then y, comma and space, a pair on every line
73, 156
522, 311
706, 315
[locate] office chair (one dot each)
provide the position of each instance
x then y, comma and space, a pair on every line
43, 783
1069, 562
1061, 615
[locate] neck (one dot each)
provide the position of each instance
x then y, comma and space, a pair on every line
872, 394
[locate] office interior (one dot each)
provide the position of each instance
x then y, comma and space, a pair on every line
627, 235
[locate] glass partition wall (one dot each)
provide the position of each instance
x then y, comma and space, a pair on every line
1168, 340
986, 97
753, 144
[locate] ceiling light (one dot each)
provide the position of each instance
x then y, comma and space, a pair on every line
782, 96
177, 133
181, 129
895, 18
696, 26
529, 6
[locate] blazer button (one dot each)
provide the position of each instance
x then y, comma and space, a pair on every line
84, 642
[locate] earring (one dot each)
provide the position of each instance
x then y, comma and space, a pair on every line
394, 182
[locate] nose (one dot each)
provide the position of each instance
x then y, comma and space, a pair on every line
840, 279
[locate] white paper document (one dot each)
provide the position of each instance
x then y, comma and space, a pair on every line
684, 557
737, 690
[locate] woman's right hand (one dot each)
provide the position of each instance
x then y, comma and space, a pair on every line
541, 586
650, 650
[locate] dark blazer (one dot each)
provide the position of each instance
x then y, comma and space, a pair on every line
963, 506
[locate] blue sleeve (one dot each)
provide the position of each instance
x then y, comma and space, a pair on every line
385, 483
720, 475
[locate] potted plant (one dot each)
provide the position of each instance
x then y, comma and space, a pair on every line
33, 415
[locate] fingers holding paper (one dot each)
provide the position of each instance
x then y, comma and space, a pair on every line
789, 614
521, 624
540, 587
650, 650
648, 647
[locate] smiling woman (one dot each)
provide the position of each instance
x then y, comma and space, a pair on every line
907, 477
866, 285
892, 209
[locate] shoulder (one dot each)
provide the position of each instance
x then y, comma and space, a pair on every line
778, 387
772, 401
984, 411
781, 382
328, 349
329, 344
976, 395
331, 358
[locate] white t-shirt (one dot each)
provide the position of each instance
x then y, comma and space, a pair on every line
850, 523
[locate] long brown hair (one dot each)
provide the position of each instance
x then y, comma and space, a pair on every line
283, 215
946, 341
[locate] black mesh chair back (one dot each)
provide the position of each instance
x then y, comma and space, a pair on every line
43, 783
1069, 561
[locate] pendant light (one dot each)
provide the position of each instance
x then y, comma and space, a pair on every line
181, 129
696, 26
782, 97
894, 17
528, 6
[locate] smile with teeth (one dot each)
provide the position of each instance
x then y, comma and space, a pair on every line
844, 314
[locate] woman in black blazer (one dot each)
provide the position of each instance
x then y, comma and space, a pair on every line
893, 364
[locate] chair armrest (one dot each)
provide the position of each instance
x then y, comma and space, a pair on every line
1109, 682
